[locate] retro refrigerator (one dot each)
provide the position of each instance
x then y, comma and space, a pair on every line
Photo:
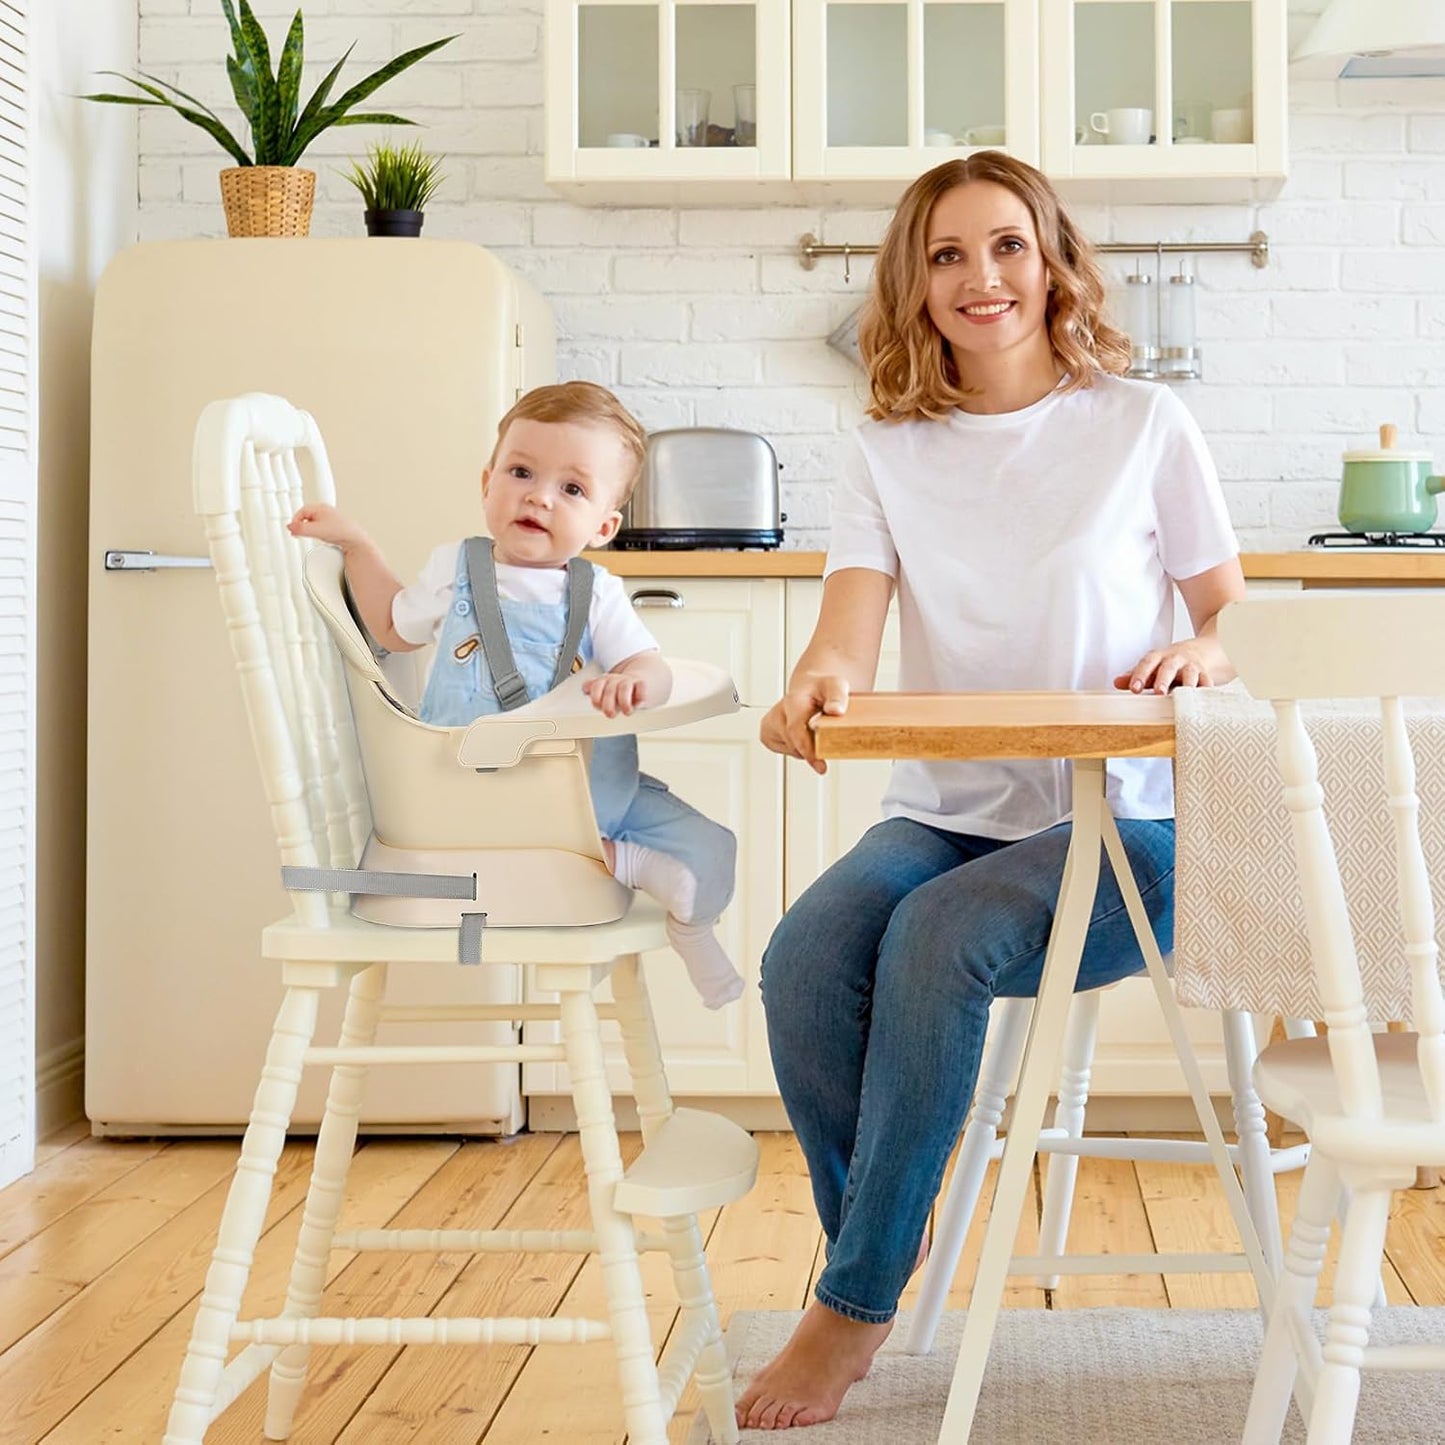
407, 352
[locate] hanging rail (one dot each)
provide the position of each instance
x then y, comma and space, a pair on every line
1257, 247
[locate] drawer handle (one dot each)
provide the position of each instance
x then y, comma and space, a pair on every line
656, 597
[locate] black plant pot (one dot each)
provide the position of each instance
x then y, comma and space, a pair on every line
393, 223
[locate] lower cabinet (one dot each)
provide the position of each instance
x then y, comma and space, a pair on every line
790, 825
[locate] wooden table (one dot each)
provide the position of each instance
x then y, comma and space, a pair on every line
1086, 728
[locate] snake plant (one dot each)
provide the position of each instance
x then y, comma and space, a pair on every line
281, 128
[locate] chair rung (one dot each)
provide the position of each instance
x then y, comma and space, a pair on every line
1404, 1357
439, 1054
429, 1330
480, 1241
1159, 1151
1049, 1264
474, 1013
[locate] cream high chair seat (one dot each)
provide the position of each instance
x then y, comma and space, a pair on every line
485, 837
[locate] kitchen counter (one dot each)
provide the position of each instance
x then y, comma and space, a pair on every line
1315, 567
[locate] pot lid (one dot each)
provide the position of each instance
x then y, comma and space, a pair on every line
1392, 455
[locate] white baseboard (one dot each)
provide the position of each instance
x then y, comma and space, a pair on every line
59, 1086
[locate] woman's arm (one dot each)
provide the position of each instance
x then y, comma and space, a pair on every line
841, 656
1198, 661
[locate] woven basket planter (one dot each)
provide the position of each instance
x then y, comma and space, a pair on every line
268, 200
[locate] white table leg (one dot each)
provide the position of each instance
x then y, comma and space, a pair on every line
1041, 1057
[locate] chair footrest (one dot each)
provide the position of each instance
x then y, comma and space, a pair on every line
694, 1161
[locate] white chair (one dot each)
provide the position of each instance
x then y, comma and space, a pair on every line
1066, 1143
1372, 1104
492, 826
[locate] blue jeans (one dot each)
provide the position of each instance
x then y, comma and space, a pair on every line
877, 985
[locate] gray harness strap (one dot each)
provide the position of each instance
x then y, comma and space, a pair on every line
492, 630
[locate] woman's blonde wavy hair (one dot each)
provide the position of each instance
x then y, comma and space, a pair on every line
911, 371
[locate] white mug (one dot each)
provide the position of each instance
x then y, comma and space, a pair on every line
624, 138
1128, 126
938, 138
1230, 127
985, 135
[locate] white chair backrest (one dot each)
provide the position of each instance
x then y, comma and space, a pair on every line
1385, 646
256, 460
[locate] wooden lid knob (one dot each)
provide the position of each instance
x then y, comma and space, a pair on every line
1387, 436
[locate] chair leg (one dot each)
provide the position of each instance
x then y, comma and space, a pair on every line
335, 1141
1289, 1316
1063, 1169
616, 1238
242, 1219
1007, 1036
684, 1238
1337, 1390
1251, 1129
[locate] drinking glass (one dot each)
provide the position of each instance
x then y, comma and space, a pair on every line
692, 117
745, 115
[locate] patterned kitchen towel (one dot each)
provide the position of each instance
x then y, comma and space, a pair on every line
1239, 937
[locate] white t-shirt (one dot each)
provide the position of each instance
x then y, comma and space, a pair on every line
1032, 550
617, 631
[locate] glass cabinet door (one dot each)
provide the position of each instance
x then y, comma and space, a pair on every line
887, 88
1163, 87
669, 90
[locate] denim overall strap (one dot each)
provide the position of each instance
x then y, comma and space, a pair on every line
492, 630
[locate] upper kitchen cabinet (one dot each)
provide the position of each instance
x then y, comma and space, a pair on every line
885, 89
1165, 99
668, 96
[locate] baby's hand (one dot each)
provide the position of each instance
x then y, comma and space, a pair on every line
325, 524
616, 692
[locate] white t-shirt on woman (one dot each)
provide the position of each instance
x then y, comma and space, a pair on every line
1032, 549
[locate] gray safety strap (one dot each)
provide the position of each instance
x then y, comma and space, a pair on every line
492, 629
487, 606
369, 880
469, 938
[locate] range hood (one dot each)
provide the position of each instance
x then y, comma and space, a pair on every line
1374, 39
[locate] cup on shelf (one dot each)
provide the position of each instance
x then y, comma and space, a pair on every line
985, 135
745, 115
692, 117
1231, 127
938, 138
626, 139
1129, 125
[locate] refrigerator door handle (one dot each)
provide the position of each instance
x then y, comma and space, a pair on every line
118, 561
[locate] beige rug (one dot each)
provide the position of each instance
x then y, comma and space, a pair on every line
1094, 1377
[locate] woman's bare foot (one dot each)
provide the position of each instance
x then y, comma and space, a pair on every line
805, 1382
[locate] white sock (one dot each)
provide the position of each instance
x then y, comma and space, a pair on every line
662, 877
710, 969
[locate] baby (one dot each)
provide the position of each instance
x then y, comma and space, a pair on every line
512, 615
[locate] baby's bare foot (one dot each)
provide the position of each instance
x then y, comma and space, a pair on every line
805, 1382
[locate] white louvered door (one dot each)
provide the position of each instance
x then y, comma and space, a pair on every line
17, 597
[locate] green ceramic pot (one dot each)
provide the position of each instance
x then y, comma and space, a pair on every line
1388, 491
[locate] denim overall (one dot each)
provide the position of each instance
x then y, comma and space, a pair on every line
630, 806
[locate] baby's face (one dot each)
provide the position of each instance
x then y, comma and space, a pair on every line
553, 490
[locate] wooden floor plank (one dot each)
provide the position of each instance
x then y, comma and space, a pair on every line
478, 1188
131, 1406
65, 1180
43, 1273
49, 1372
61, 1140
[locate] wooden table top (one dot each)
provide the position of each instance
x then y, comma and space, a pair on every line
999, 725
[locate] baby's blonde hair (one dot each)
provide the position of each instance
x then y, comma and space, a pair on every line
581, 401
911, 370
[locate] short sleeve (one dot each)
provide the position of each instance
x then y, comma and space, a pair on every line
417, 611
1191, 519
617, 631
860, 535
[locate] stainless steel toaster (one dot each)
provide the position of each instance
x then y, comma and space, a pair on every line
704, 487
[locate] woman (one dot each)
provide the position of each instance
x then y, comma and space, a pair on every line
1034, 511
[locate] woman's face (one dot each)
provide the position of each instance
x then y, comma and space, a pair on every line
988, 285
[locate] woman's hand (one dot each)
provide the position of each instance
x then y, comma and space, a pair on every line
787, 726
1192, 663
326, 524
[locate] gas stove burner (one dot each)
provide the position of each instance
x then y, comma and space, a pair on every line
1377, 539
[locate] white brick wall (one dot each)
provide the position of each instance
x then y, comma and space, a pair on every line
705, 317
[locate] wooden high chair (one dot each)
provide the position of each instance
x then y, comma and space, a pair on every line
483, 841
